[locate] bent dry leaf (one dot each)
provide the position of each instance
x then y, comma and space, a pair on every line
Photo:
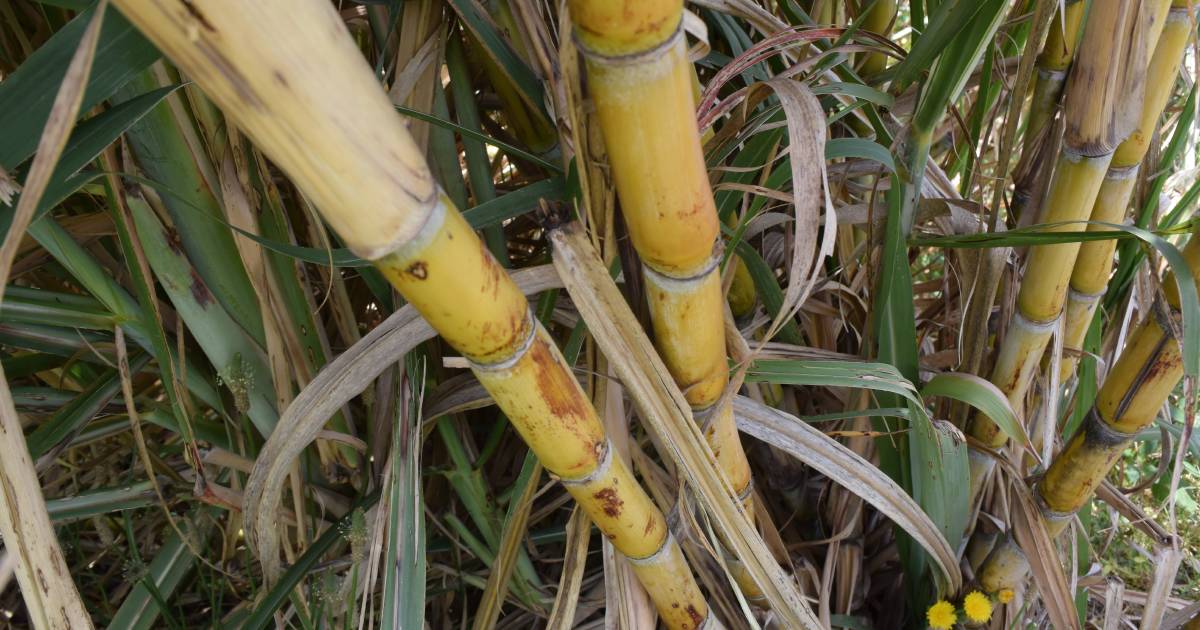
852, 472
336, 384
667, 415
50, 595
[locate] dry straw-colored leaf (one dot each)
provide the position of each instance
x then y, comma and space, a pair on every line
667, 416
851, 471
51, 598
342, 379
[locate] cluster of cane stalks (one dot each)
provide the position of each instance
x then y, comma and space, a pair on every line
778, 190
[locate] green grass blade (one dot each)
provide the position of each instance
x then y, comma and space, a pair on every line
75, 415
279, 593
26, 95
102, 501
141, 608
239, 361
481, 26
404, 554
165, 156
982, 395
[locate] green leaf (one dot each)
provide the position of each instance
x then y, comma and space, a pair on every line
493, 212
938, 456
307, 561
1188, 301
160, 147
951, 17
768, 290
102, 501
27, 95
241, 363
833, 373
404, 554
982, 395
857, 90
171, 564
475, 135
80, 411
87, 140
956, 62
36, 306
859, 148
474, 18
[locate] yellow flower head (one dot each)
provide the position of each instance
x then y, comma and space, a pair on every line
1005, 595
977, 606
941, 615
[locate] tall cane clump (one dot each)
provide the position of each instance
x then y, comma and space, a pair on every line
1106, 78
289, 74
1094, 263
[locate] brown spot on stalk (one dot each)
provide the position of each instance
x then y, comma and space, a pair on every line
418, 270
200, 292
697, 618
495, 275
197, 15
280, 78
501, 338
610, 501
650, 27
557, 387
649, 526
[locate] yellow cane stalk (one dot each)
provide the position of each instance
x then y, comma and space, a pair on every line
1094, 264
877, 20
1111, 61
1052, 66
290, 76
642, 84
1132, 395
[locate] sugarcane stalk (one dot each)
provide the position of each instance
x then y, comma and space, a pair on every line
289, 74
1130, 398
1052, 66
642, 84
1094, 263
878, 19
1106, 78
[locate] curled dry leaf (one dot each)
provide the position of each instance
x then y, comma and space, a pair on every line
341, 380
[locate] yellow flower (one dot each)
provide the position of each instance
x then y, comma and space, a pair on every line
977, 606
1005, 595
941, 615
